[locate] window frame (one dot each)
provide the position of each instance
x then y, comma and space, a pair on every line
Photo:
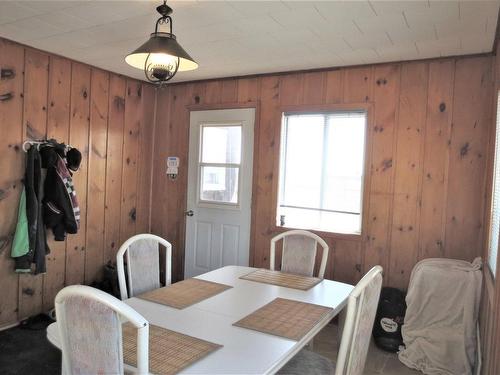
367, 109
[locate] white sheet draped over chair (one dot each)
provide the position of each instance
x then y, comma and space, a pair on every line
299, 252
440, 327
90, 328
143, 264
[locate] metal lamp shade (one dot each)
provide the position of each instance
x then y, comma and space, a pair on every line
164, 45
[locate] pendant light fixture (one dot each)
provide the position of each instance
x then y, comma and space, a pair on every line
161, 57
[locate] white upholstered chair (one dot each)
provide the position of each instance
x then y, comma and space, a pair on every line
299, 252
143, 264
90, 329
361, 309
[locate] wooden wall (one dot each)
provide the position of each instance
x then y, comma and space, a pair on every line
110, 119
490, 302
426, 165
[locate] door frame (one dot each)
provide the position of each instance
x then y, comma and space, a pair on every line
256, 137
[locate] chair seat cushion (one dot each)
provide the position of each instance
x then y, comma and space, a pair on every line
307, 362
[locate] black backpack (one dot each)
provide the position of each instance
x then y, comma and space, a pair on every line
389, 319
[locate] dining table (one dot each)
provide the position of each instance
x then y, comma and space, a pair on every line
243, 351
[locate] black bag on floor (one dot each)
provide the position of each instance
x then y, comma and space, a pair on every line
109, 283
389, 319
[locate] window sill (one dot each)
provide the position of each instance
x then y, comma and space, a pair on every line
325, 235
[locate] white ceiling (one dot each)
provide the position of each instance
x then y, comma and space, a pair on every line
230, 38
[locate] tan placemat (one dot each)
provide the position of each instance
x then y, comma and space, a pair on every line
184, 293
169, 351
285, 318
282, 279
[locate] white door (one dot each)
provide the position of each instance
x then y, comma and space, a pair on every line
219, 189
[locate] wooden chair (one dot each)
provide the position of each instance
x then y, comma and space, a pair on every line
299, 252
143, 264
90, 329
361, 309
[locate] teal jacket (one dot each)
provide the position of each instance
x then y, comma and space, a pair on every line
21, 244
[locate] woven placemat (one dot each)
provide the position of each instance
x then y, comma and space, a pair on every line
282, 279
285, 318
184, 293
169, 351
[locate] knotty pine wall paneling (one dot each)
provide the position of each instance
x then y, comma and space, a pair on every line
133, 117
408, 155
436, 158
382, 132
79, 125
426, 141
11, 166
145, 159
472, 118
90, 109
114, 166
36, 73
96, 185
57, 128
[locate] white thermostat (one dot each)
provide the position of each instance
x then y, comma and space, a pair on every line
172, 166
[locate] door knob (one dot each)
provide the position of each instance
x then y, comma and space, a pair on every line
189, 213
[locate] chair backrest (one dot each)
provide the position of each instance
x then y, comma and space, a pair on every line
90, 328
299, 252
143, 264
361, 309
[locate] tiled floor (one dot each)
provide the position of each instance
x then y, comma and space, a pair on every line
378, 361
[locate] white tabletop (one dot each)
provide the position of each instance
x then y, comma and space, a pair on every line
244, 351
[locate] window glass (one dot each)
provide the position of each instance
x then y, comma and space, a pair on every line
219, 184
221, 144
302, 170
219, 166
344, 163
321, 171
495, 203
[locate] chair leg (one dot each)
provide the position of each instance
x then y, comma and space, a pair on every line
310, 344
342, 316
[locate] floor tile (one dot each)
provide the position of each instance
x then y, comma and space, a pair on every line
378, 361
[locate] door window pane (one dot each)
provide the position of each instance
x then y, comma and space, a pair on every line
494, 232
219, 184
221, 144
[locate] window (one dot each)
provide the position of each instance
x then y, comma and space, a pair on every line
321, 171
220, 163
495, 201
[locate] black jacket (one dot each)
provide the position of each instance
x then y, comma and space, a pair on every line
61, 210
36, 232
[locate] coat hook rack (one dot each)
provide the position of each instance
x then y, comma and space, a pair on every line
50, 143
30, 144
5, 97
6, 73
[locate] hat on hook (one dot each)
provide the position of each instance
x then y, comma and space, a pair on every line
73, 159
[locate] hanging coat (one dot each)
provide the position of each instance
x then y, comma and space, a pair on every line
21, 243
61, 210
32, 199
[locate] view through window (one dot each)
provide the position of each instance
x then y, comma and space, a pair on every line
321, 171
220, 163
495, 202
